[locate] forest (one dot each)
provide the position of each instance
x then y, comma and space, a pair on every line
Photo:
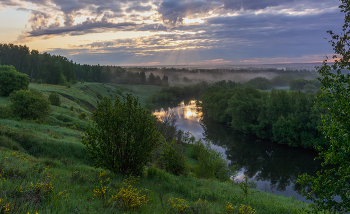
58, 70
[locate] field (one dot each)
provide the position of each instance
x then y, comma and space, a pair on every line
44, 168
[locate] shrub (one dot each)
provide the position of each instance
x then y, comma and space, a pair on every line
196, 149
128, 197
29, 104
82, 115
71, 108
5, 112
173, 159
212, 165
122, 135
54, 99
11, 80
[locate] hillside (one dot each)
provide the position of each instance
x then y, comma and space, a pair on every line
44, 168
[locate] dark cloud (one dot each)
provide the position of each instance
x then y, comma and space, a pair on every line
252, 4
262, 4
88, 26
138, 8
173, 12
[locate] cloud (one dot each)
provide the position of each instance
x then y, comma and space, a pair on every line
263, 4
173, 12
40, 28
138, 8
252, 4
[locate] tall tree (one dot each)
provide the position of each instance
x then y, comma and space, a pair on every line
334, 181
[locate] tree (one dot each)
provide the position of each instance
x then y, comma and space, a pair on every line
29, 104
334, 180
11, 80
122, 135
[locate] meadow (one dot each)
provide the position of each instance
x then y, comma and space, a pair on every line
44, 168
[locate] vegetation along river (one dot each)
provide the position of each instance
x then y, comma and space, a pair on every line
274, 168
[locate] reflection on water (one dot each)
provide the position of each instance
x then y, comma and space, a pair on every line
274, 167
183, 112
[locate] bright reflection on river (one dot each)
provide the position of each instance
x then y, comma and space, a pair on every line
187, 112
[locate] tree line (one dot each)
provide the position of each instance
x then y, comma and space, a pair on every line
56, 69
281, 116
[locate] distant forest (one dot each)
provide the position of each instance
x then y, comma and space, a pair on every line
53, 69
56, 69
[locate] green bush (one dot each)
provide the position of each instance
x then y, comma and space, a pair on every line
5, 112
122, 136
196, 149
82, 115
71, 108
29, 104
54, 99
211, 165
172, 158
11, 80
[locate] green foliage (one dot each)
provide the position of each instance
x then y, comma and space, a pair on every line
334, 179
54, 99
302, 84
71, 108
196, 148
82, 115
11, 80
260, 83
122, 135
29, 105
211, 165
281, 116
170, 94
172, 158
5, 112
246, 186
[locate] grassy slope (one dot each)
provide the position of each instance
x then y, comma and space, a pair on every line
74, 179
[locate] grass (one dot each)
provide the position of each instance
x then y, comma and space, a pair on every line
73, 188
45, 168
88, 94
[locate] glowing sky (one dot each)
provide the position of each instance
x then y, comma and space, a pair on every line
173, 32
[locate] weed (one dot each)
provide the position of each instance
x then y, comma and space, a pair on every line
128, 197
246, 186
243, 209
178, 205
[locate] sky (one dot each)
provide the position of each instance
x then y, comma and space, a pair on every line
174, 32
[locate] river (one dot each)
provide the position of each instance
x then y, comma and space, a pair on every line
274, 168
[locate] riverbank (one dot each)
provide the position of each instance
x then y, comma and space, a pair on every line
46, 169
57, 183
